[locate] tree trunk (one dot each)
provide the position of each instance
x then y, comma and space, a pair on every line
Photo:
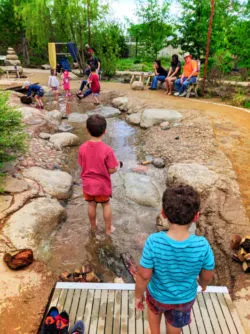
26, 57
88, 15
208, 45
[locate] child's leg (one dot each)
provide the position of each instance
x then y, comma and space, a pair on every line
172, 330
154, 322
107, 215
92, 214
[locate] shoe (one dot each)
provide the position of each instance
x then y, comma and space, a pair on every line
150, 88
49, 325
183, 94
176, 94
80, 96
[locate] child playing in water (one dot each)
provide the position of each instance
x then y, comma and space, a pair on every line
94, 83
53, 83
98, 162
37, 92
66, 83
172, 261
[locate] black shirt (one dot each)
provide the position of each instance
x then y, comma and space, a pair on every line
93, 61
161, 71
174, 68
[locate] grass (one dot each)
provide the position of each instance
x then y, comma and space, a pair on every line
138, 64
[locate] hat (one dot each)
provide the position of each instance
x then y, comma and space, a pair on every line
187, 54
26, 83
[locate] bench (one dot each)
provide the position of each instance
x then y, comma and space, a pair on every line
193, 88
141, 76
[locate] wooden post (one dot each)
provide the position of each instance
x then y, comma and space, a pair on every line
208, 45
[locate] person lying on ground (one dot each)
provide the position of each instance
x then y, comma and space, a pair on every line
171, 262
189, 76
160, 74
53, 83
93, 84
37, 91
173, 73
98, 162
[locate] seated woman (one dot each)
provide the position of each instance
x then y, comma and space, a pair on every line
160, 74
173, 73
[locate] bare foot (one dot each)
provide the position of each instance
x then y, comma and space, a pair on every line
166, 92
170, 93
111, 230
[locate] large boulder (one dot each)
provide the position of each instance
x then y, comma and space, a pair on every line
33, 225
64, 127
121, 103
9, 62
14, 185
134, 119
142, 189
30, 113
76, 117
193, 174
45, 67
54, 182
152, 117
55, 114
137, 85
107, 112
64, 139
12, 57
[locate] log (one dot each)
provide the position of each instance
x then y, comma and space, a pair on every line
19, 258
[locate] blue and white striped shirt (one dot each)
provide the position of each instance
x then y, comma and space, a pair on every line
176, 265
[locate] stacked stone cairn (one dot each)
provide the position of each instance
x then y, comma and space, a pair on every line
12, 58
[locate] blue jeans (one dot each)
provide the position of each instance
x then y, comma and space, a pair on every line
183, 87
156, 79
88, 91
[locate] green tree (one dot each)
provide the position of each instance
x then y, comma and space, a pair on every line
12, 135
153, 28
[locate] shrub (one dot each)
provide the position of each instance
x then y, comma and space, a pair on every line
12, 135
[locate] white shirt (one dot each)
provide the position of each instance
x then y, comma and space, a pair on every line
53, 81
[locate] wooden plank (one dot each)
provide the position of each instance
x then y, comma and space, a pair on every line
124, 313
74, 306
68, 301
227, 315
88, 310
186, 330
198, 317
61, 300
139, 322
55, 297
163, 325
102, 312
81, 305
110, 312
234, 313
117, 312
193, 326
219, 313
145, 319
212, 314
204, 313
95, 312
131, 312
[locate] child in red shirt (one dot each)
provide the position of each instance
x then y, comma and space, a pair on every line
98, 162
93, 82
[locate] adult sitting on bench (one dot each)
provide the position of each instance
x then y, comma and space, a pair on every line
189, 76
160, 74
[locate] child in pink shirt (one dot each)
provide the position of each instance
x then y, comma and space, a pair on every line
98, 161
66, 83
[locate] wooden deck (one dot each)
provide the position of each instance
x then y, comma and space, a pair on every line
109, 308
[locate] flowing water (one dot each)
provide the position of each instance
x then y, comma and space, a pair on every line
73, 244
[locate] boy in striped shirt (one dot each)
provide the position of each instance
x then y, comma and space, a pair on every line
172, 261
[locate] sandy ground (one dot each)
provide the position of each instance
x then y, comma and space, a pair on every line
25, 297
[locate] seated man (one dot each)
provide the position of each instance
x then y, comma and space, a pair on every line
160, 74
189, 76
92, 62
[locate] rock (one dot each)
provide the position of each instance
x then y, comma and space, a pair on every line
45, 67
30, 113
193, 174
164, 124
64, 139
75, 65
118, 280
44, 135
162, 223
158, 163
5, 202
12, 62
142, 189
18, 259
152, 117
107, 112
55, 114
77, 117
33, 225
64, 127
12, 57
54, 182
14, 185
11, 52
121, 103
134, 119
137, 85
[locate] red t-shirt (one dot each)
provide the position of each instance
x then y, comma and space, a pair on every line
95, 84
96, 158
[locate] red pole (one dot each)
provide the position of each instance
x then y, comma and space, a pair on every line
208, 45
